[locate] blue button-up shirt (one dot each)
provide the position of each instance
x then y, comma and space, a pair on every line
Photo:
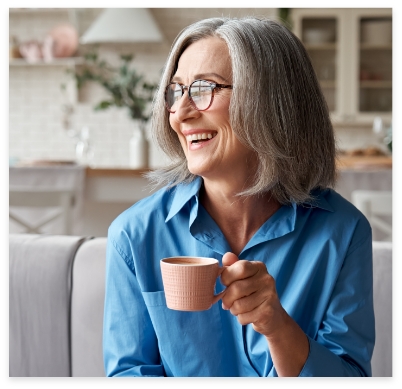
320, 255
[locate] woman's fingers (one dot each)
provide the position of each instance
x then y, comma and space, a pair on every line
239, 270
245, 279
251, 294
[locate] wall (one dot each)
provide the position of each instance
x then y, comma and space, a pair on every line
36, 100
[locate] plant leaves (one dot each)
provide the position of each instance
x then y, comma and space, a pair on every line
124, 85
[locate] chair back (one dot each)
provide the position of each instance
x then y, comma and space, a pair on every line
376, 206
42, 198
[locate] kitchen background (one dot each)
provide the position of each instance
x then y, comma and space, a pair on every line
52, 121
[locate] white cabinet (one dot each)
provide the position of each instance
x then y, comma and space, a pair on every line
351, 51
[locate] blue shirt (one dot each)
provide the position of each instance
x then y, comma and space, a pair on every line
320, 255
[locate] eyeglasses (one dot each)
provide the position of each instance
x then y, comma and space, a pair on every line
200, 94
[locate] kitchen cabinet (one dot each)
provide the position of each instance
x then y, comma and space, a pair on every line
351, 52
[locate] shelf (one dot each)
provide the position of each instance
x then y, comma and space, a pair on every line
374, 84
364, 162
55, 62
368, 46
320, 46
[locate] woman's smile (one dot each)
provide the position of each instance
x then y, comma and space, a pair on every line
197, 139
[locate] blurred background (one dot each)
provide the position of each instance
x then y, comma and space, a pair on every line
80, 85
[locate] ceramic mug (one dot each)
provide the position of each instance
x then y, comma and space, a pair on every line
189, 282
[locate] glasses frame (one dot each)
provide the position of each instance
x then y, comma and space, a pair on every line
212, 84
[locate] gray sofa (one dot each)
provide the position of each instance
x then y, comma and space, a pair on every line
56, 306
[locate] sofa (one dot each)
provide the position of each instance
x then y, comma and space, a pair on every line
56, 292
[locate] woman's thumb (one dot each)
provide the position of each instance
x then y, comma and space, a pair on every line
229, 259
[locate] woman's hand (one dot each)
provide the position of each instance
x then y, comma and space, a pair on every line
251, 295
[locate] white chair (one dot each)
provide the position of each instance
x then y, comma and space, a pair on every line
40, 198
374, 205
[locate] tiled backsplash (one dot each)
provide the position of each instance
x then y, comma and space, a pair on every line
36, 100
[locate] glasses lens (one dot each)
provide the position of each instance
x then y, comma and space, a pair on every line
201, 94
172, 96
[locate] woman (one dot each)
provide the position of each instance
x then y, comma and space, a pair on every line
242, 117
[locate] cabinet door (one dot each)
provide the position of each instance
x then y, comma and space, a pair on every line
374, 63
320, 32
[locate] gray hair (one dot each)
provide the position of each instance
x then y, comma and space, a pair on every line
277, 109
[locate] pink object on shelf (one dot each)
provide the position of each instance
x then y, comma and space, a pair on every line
65, 40
60, 42
31, 51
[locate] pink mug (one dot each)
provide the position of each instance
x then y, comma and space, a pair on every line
189, 282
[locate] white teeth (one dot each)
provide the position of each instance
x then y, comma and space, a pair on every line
204, 135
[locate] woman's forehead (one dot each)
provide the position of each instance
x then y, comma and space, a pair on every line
206, 56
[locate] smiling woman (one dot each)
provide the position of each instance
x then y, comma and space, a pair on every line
241, 115
271, 110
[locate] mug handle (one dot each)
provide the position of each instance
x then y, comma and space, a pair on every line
218, 296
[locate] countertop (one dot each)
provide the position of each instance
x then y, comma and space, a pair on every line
364, 162
344, 163
114, 172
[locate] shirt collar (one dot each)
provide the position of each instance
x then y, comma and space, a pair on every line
182, 194
319, 200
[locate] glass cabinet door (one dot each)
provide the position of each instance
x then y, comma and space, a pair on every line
375, 64
320, 38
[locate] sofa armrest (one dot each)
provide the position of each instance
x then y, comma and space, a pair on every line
381, 362
39, 304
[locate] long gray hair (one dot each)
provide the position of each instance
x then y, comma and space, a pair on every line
277, 109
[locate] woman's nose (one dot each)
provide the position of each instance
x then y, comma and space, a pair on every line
184, 109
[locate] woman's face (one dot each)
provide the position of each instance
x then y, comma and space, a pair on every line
223, 155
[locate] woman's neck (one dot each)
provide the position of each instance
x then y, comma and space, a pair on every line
239, 218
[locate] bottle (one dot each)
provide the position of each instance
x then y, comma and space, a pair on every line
138, 148
14, 48
83, 149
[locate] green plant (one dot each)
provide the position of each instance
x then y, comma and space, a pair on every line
124, 86
284, 17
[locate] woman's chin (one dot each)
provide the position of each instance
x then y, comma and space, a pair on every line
198, 169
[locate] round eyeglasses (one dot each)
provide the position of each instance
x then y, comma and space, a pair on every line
200, 94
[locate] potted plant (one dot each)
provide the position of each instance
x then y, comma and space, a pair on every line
125, 89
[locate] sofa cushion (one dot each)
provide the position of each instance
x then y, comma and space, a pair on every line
39, 304
87, 309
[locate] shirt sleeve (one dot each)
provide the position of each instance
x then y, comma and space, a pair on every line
344, 343
130, 346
